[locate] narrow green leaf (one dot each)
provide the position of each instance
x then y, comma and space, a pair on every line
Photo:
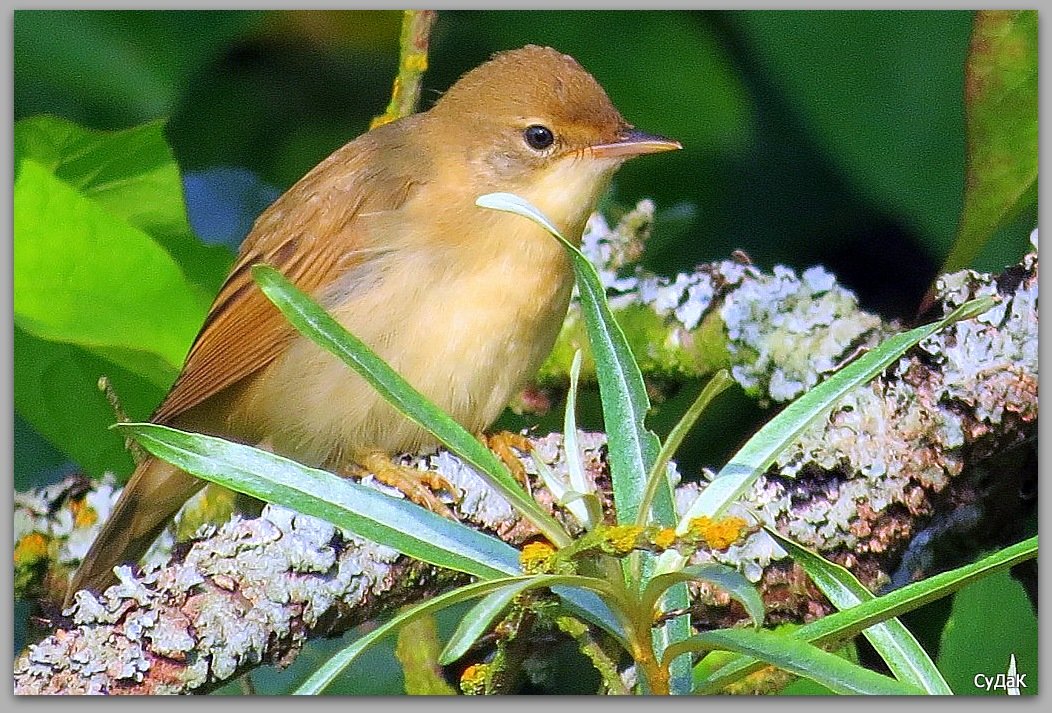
906, 658
726, 578
478, 620
327, 672
760, 452
371, 514
388, 520
632, 447
1000, 99
846, 624
797, 657
332, 668
574, 467
719, 382
311, 320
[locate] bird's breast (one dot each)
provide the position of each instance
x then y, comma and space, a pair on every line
466, 322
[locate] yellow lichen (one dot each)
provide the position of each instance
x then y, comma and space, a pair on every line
473, 680
664, 538
537, 558
31, 548
83, 514
415, 62
717, 534
622, 539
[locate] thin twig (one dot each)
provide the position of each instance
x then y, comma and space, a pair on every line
137, 452
413, 44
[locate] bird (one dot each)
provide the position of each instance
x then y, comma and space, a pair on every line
465, 303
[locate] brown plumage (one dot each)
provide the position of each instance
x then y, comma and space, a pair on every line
465, 303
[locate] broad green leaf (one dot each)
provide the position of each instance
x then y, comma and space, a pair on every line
848, 623
852, 91
760, 452
56, 391
99, 217
800, 658
312, 321
893, 641
388, 520
719, 382
1000, 93
80, 278
120, 65
332, 668
133, 175
130, 173
974, 641
726, 578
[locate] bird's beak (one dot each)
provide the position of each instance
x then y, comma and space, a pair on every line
633, 142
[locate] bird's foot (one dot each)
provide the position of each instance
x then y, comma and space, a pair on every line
502, 444
417, 485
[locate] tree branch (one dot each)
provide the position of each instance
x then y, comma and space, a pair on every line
926, 456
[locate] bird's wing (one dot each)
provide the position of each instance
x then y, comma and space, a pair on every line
312, 234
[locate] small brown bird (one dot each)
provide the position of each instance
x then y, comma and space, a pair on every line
464, 302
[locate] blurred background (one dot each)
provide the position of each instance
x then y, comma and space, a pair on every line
833, 138
810, 137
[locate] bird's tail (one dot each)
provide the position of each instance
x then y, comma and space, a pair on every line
152, 496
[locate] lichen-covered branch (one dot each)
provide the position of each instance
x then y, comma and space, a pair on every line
927, 452
252, 592
779, 333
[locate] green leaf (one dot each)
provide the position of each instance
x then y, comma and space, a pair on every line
99, 217
574, 467
798, 657
130, 173
311, 320
133, 175
896, 645
850, 622
478, 620
79, 278
388, 520
1001, 90
719, 382
327, 673
632, 447
760, 452
726, 578
120, 65
56, 391
969, 644
851, 88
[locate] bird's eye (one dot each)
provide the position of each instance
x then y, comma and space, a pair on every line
538, 137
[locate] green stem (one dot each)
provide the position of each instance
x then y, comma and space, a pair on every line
413, 44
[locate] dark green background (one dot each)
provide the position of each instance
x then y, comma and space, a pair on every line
832, 137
